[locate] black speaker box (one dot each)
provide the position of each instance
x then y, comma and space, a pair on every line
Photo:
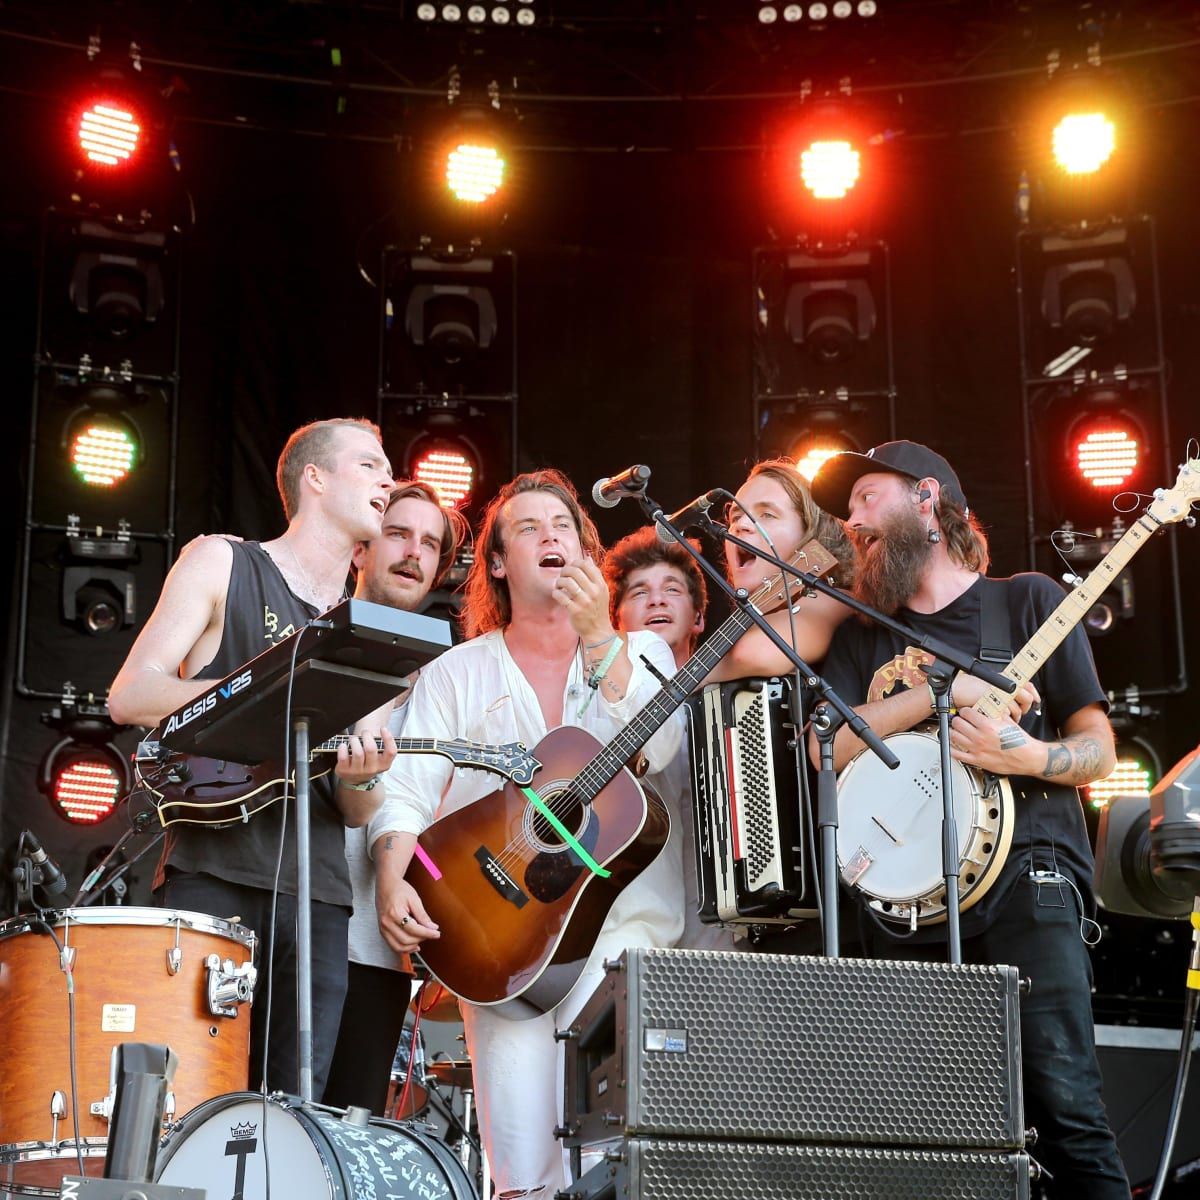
762, 1047
649, 1169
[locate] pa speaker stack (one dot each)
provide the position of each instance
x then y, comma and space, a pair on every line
710, 1075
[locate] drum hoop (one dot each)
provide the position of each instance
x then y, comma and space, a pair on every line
133, 915
19, 1152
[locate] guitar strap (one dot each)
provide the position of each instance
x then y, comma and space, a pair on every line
995, 628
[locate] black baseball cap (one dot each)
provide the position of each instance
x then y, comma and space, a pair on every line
834, 481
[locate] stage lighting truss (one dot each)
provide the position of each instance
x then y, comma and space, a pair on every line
83, 774
771, 12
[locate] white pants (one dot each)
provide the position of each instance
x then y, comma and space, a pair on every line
519, 1076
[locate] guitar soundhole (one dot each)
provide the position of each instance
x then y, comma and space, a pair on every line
567, 809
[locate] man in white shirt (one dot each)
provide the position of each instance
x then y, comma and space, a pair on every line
537, 612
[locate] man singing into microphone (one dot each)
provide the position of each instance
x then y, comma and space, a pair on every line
543, 653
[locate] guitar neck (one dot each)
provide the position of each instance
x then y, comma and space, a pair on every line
1074, 607
592, 779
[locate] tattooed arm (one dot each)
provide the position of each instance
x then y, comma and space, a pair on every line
1084, 753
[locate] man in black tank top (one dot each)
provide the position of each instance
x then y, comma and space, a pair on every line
223, 603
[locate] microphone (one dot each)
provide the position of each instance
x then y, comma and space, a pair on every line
608, 493
53, 881
690, 514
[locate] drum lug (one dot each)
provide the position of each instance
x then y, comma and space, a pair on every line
174, 960
228, 985
102, 1108
58, 1110
66, 959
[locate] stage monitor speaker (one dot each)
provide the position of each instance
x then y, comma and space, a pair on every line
1138, 1066
762, 1047
650, 1169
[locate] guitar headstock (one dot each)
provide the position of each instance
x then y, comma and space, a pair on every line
511, 760
1175, 503
812, 558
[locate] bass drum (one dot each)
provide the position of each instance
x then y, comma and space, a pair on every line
226, 1146
890, 829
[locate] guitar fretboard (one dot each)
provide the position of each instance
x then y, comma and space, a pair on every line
592, 779
1074, 607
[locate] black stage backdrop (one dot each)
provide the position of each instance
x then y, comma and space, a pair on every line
634, 312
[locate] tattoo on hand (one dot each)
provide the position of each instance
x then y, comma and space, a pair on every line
1012, 737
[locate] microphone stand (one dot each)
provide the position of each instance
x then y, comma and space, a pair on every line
940, 674
845, 713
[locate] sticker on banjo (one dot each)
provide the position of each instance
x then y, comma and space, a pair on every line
118, 1018
857, 866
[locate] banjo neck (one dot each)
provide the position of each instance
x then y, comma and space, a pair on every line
1073, 608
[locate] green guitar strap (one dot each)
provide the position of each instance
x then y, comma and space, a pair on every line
562, 831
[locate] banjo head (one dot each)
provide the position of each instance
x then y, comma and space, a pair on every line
890, 829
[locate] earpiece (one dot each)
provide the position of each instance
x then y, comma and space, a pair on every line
495, 563
923, 494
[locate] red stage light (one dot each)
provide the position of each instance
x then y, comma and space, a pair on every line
449, 470
108, 132
830, 169
85, 785
1106, 452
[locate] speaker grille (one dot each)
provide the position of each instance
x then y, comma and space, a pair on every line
684, 1170
770, 1048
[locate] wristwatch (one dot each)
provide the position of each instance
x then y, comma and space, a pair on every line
367, 786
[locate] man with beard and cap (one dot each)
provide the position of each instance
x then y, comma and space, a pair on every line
922, 557
411, 555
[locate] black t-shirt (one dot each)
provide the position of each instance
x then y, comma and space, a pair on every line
261, 610
867, 663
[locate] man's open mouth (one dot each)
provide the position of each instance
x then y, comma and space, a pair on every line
659, 619
552, 560
379, 504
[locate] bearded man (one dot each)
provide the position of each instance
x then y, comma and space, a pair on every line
922, 556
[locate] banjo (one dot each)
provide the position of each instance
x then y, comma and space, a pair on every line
890, 822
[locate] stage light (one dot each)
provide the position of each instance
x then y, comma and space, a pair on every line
830, 317
830, 169
813, 451
85, 787
103, 450
1083, 142
1134, 775
1105, 452
450, 468
108, 132
474, 173
83, 774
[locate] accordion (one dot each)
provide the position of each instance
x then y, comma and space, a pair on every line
751, 840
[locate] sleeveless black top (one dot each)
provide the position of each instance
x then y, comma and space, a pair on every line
260, 610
